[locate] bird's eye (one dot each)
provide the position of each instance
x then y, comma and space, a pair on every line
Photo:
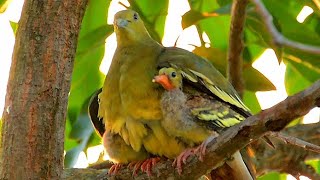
173, 74
135, 16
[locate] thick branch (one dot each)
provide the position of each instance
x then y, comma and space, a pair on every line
235, 138
278, 38
38, 87
234, 71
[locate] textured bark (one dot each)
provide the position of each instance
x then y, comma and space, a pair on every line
234, 71
38, 87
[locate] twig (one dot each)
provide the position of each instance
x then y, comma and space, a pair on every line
234, 70
296, 141
317, 3
286, 157
278, 38
234, 138
101, 165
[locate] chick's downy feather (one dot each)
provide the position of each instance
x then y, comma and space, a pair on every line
193, 116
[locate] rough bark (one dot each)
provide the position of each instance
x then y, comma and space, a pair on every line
38, 87
234, 71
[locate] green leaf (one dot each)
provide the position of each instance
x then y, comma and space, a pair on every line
273, 176
315, 164
294, 80
72, 155
4, 4
310, 72
81, 132
287, 23
192, 17
69, 143
256, 27
255, 81
217, 29
14, 27
86, 78
251, 101
82, 128
216, 56
94, 39
224, 2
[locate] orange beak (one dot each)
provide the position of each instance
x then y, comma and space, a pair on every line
164, 81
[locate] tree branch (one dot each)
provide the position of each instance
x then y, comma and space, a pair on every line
288, 158
234, 70
277, 37
317, 3
234, 138
296, 141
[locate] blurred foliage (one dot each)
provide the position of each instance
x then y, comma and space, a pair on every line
273, 176
211, 17
4, 4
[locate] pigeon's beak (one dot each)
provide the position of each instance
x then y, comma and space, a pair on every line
122, 23
164, 81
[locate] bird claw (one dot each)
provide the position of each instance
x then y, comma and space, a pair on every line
144, 166
114, 169
182, 159
201, 150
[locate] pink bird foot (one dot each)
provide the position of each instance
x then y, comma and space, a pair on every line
182, 159
144, 166
114, 169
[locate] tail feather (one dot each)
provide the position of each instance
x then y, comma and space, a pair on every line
239, 167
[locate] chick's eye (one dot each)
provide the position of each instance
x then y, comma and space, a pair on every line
135, 16
173, 74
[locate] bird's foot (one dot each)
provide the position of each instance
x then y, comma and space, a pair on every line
182, 159
114, 169
201, 149
145, 165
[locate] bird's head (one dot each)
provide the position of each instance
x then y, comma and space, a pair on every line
128, 26
169, 78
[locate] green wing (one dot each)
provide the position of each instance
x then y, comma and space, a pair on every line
217, 119
199, 71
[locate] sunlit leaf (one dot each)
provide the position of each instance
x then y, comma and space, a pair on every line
273, 176
216, 56
94, 39
251, 101
14, 27
255, 25
86, 78
294, 80
4, 4
310, 72
192, 17
255, 81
